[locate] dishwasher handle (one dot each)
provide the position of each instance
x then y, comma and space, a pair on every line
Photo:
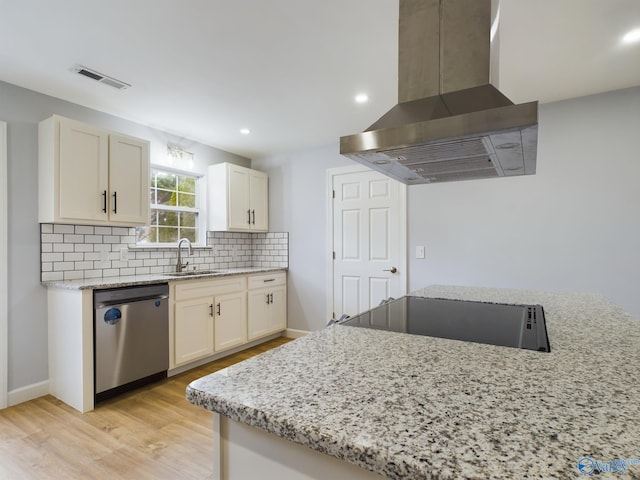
127, 301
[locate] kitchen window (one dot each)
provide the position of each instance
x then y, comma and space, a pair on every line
174, 212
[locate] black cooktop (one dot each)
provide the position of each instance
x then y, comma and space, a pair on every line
518, 326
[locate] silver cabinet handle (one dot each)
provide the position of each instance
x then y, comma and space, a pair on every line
115, 202
392, 270
269, 280
271, 298
249, 216
104, 201
211, 310
219, 309
267, 295
253, 212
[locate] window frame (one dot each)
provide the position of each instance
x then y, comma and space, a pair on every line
198, 209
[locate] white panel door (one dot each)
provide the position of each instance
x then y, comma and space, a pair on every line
368, 236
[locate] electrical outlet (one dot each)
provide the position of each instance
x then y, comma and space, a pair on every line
420, 251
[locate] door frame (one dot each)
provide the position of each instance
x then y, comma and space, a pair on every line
402, 264
4, 284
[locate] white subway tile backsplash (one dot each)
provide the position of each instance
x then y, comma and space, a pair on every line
63, 229
63, 266
73, 238
93, 239
52, 238
84, 229
52, 257
52, 276
83, 251
63, 247
73, 275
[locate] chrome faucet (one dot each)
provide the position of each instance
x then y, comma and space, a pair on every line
179, 265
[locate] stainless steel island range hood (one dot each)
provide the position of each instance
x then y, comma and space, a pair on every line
450, 123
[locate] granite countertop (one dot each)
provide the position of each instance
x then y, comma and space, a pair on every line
412, 407
131, 280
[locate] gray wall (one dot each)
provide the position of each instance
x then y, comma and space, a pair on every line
22, 110
297, 204
574, 226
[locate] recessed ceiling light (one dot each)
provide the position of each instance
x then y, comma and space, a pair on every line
632, 36
245, 131
362, 98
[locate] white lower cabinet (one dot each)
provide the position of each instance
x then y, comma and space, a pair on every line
267, 300
208, 316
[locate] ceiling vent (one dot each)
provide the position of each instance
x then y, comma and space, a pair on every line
99, 77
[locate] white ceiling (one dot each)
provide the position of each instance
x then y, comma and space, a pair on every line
287, 69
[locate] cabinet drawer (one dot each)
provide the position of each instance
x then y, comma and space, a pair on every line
267, 280
187, 289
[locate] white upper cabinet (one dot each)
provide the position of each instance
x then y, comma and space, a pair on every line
238, 199
90, 175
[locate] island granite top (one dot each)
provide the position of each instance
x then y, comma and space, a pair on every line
414, 407
131, 280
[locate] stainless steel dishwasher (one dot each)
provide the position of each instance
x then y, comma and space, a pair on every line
131, 338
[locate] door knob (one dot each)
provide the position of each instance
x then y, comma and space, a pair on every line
392, 270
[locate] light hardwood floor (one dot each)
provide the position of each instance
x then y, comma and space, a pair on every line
151, 433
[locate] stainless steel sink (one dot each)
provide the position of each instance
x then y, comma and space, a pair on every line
193, 273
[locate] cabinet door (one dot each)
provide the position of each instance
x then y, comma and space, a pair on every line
230, 320
258, 314
259, 199
278, 309
83, 172
128, 180
193, 329
238, 198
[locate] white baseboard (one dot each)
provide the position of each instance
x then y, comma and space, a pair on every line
293, 333
24, 394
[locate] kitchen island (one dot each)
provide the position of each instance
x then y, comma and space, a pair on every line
410, 407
